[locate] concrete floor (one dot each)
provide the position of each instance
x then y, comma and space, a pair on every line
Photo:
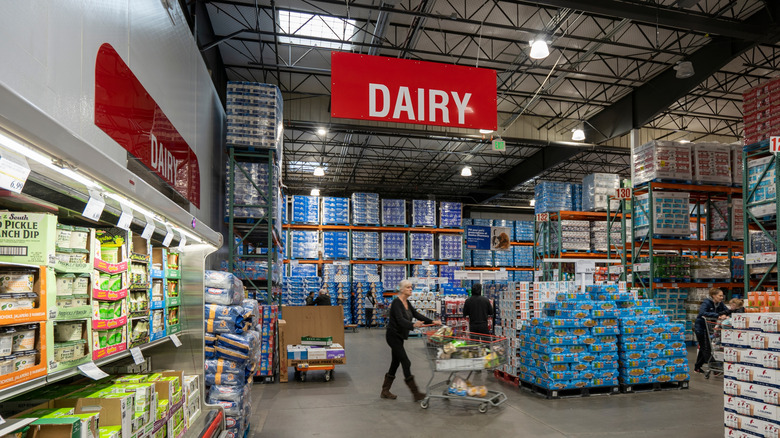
349, 406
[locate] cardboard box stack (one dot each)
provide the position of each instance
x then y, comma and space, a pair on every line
393, 212
752, 375
254, 114
761, 106
315, 348
596, 190
365, 209
335, 245
450, 214
574, 345
335, 211
575, 235
423, 213
552, 196
662, 160
672, 217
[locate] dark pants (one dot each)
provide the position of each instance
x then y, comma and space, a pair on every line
705, 349
369, 317
399, 356
479, 328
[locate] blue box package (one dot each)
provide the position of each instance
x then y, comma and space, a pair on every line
393, 212
423, 213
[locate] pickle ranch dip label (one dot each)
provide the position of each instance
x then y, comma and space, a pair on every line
27, 237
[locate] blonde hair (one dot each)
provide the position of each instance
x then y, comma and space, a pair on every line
736, 302
403, 284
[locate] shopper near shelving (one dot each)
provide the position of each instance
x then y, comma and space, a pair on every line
368, 305
711, 308
310, 299
478, 310
323, 299
399, 324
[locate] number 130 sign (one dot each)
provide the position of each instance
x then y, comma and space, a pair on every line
623, 193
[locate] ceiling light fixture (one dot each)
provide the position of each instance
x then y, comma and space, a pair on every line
485, 131
577, 134
532, 202
684, 70
466, 171
539, 49
321, 131
315, 192
319, 171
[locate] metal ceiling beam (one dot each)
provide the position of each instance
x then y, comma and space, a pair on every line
663, 16
532, 166
644, 103
203, 32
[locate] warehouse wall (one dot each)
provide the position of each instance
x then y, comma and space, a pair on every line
49, 50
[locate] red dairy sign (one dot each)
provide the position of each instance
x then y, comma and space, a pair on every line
405, 91
128, 114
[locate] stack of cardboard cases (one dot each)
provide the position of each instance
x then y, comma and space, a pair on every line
751, 354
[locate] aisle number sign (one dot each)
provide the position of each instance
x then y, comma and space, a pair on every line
774, 144
623, 193
543, 217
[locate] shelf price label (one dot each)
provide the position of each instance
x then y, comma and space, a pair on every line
138, 356
92, 371
774, 144
176, 341
126, 218
168, 236
543, 217
14, 171
95, 206
149, 228
622, 193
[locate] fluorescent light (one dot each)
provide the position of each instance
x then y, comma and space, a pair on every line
315, 192
532, 202
321, 131
485, 131
466, 171
684, 70
683, 141
577, 134
319, 171
539, 49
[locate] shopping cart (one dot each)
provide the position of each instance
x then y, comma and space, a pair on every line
715, 361
458, 352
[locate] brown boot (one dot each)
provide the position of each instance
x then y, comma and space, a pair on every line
413, 387
386, 387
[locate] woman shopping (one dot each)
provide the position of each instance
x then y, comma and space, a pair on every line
711, 308
369, 303
398, 326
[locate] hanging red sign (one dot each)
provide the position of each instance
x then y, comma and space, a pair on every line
405, 91
128, 114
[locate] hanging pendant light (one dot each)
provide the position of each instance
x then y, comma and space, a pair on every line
539, 49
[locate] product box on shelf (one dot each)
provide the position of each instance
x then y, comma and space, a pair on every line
138, 332
70, 344
172, 321
108, 342
712, 163
335, 211
172, 295
159, 262
393, 212
115, 411
109, 314
157, 329
24, 291
29, 360
662, 160
111, 250
423, 213
596, 190
672, 216
172, 270
450, 214
393, 246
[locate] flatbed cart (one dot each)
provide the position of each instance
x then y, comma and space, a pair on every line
463, 351
302, 368
715, 361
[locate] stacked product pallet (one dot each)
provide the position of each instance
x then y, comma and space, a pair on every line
552, 196
450, 246
361, 290
481, 258
232, 348
752, 373
596, 190
720, 213
662, 160
304, 245
423, 213
393, 212
503, 258
450, 214
251, 188
421, 246
392, 275
762, 189
393, 246
523, 256
576, 197
340, 293
712, 163
365, 273
331, 271
600, 240
524, 231
296, 289
254, 114
305, 209
571, 347
335, 245
675, 220
365, 245
448, 272
335, 211
365, 209
574, 235
759, 108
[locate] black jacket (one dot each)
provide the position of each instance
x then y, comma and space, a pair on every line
709, 310
400, 320
322, 300
478, 309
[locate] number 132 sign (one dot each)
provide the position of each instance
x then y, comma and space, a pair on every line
774, 144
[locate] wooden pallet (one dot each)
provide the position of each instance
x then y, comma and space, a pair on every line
655, 386
506, 377
568, 393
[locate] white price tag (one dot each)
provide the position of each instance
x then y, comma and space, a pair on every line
138, 356
2, 420
176, 341
14, 171
182, 241
452, 263
148, 228
95, 206
168, 236
426, 263
126, 218
92, 371
774, 144
293, 262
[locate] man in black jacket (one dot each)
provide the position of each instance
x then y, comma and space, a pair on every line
478, 310
323, 299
